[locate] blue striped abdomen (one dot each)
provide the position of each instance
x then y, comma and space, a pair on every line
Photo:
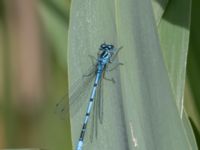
89, 108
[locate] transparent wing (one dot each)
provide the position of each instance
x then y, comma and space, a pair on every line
100, 102
97, 115
80, 89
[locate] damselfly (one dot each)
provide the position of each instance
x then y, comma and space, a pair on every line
106, 56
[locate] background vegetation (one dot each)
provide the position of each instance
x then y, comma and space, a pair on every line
33, 73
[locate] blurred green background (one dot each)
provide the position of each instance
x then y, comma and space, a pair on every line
33, 73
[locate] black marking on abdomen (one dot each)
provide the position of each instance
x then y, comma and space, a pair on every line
83, 132
82, 135
84, 126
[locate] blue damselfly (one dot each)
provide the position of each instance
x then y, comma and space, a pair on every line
106, 56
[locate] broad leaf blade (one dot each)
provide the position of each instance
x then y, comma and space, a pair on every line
140, 110
174, 37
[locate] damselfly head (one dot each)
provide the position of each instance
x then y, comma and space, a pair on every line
105, 46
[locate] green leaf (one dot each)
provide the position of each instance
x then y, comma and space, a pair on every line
193, 72
174, 31
174, 38
140, 110
55, 20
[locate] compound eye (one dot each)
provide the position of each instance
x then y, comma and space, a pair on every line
103, 46
110, 47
